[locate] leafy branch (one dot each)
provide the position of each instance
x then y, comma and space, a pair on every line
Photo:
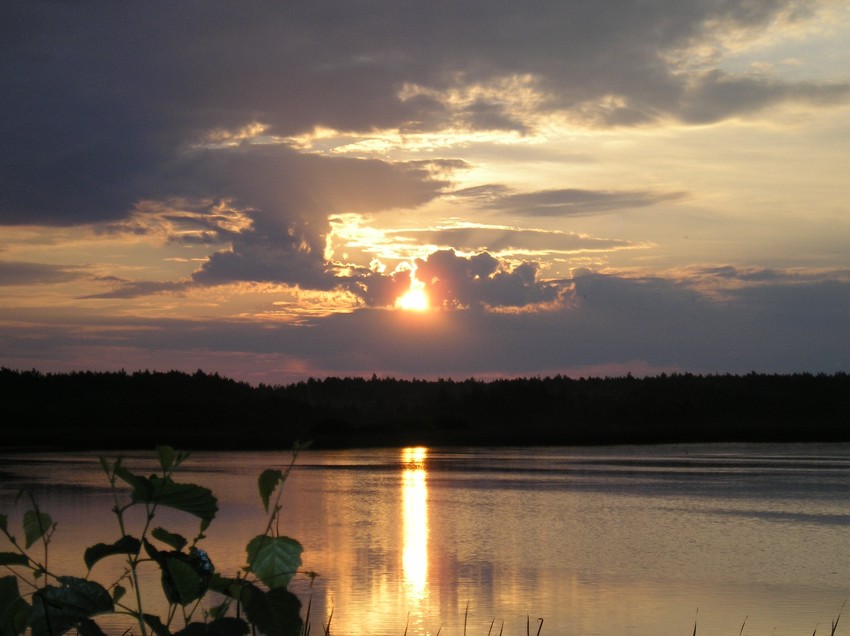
255, 599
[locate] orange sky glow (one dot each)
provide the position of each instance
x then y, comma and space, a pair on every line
569, 188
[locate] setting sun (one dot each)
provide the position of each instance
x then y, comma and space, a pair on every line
415, 298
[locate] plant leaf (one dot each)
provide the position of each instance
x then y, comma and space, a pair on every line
176, 541
142, 487
268, 481
118, 593
274, 613
185, 577
153, 553
185, 580
36, 525
228, 586
13, 558
274, 560
124, 545
218, 611
87, 595
156, 625
196, 500
14, 610
88, 627
166, 457
4, 523
58, 609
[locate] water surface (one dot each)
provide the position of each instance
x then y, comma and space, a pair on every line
621, 540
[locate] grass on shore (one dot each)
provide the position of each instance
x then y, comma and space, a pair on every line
326, 629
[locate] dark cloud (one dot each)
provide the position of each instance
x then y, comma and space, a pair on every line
613, 322
488, 115
24, 273
288, 198
124, 289
730, 272
496, 239
457, 281
717, 96
377, 289
453, 281
484, 194
102, 101
763, 275
563, 202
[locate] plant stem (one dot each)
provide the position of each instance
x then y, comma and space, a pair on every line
132, 561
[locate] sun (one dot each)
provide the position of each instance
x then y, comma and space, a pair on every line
415, 298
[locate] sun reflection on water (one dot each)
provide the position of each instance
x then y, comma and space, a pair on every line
415, 510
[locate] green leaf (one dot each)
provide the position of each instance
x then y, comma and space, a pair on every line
156, 625
36, 525
268, 481
142, 487
13, 558
186, 582
226, 626
218, 611
274, 613
176, 541
196, 500
185, 577
4, 523
86, 595
118, 593
88, 627
124, 545
153, 553
228, 586
166, 457
58, 609
274, 560
14, 610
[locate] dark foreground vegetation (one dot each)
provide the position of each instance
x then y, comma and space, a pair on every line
203, 411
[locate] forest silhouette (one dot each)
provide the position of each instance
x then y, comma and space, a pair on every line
110, 410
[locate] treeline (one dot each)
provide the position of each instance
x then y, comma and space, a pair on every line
207, 411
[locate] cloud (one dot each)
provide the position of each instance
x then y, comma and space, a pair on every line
730, 272
611, 322
267, 208
24, 273
717, 96
289, 198
455, 282
451, 280
102, 103
125, 289
479, 238
730, 277
563, 202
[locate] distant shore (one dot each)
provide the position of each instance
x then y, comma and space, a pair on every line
93, 410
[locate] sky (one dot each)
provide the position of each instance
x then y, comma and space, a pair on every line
280, 190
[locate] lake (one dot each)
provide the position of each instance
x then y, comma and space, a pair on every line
627, 540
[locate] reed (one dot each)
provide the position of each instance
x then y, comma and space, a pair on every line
539, 622
834, 624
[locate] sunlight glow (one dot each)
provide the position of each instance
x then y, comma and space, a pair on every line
415, 298
415, 506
